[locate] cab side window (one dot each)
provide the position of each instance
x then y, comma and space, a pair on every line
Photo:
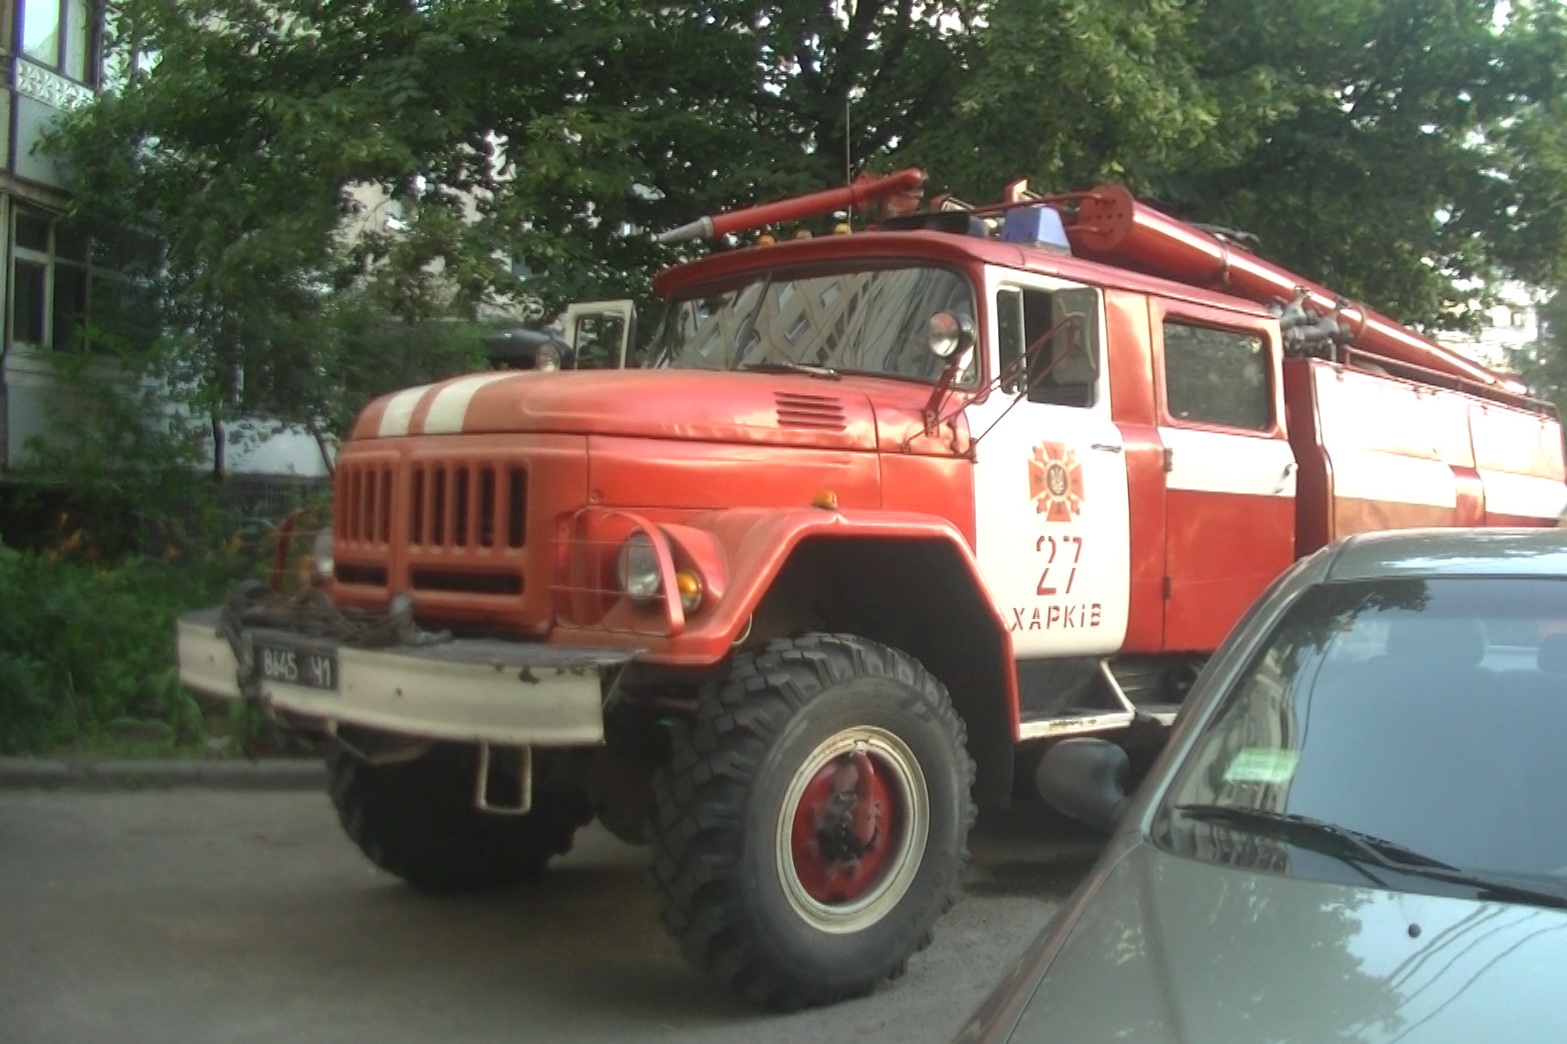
1049, 344
1214, 376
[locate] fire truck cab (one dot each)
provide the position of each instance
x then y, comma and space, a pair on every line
886, 509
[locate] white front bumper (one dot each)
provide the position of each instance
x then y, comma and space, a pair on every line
468, 690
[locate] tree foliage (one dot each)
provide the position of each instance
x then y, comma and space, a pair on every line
1405, 152
1404, 163
1543, 364
1401, 151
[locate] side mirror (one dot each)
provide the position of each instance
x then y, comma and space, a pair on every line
1080, 310
1078, 341
1086, 779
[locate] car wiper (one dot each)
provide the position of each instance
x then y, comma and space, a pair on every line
1356, 848
825, 372
1316, 834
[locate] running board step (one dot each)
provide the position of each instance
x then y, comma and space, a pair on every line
1075, 721
1163, 713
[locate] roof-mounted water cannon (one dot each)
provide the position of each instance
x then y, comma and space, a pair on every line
899, 193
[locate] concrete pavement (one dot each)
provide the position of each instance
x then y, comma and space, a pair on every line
223, 917
115, 774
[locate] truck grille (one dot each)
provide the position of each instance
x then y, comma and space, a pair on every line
453, 526
366, 505
473, 506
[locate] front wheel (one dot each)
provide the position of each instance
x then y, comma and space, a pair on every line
417, 820
813, 821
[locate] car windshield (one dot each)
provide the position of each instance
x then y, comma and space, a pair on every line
1419, 719
853, 322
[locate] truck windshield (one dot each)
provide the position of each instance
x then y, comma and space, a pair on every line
854, 322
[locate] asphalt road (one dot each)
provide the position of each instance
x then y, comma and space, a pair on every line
234, 917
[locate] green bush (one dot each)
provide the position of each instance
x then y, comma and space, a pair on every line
86, 649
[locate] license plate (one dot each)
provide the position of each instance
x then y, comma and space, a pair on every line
312, 670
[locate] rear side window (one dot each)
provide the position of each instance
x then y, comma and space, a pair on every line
1214, 376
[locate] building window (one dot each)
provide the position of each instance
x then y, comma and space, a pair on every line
59, 34
58, 293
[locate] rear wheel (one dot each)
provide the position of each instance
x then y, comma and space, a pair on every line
813, 821
416, 819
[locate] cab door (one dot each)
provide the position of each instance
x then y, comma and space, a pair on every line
599, 333
1229, 470
1050, 474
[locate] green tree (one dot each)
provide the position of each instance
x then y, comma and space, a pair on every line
234, 158
1400, 151
509, 136
1395, 149
1543, 364
1070, 93
1411, 148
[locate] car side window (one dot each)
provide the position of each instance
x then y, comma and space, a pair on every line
1214, 376
1049, 344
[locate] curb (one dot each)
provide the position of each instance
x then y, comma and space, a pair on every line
269, 774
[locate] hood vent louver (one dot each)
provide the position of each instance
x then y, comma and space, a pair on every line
812, 412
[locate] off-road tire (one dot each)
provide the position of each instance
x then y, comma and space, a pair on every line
719, 806
417, 820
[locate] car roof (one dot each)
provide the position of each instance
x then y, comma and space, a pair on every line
1450, 552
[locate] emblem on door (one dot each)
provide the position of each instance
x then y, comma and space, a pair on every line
1055, 481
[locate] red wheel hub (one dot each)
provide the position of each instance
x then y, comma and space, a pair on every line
845, 828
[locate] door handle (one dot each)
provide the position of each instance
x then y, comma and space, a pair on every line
1289, 469
1104, 447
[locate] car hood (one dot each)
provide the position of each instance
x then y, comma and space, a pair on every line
1170, 949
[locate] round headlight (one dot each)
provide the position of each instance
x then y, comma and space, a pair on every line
321, 555
547, 358
947, 332
637, 568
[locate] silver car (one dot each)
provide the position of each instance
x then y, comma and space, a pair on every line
1357, 831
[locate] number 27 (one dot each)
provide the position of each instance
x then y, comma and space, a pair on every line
1058, 547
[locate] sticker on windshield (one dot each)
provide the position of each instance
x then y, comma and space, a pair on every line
1262, 765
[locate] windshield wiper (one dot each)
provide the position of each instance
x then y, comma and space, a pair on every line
1315, 834
1357, 848
825, 372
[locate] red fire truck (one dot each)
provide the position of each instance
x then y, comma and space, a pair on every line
888, 511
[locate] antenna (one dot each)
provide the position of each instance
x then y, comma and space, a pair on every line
848, 147
848, 97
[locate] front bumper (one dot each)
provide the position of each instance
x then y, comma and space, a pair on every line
466, 690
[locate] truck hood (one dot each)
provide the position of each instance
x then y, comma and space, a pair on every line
1170, 950
772, 408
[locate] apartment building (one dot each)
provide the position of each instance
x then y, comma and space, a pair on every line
54, 277
60, 283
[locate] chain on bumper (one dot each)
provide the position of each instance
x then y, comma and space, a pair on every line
310, 613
